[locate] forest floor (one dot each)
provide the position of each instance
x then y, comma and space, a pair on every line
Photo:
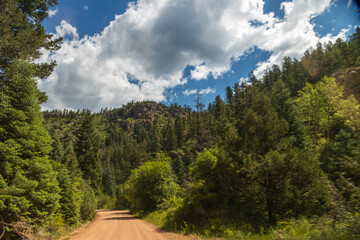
120, 225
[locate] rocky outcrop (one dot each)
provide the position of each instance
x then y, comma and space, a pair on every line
350, 80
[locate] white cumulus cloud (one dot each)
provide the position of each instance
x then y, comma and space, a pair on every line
205, 91
66, 29
243, 79
52, 13
145, 50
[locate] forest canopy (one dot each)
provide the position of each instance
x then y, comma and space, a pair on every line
282, 150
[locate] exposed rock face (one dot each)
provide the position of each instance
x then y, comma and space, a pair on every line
350, 79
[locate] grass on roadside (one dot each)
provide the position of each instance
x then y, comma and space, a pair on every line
301, 229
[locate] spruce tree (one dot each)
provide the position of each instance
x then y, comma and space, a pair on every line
29, 186
30, 190
57, 152
71, 162
87, 151
72, 196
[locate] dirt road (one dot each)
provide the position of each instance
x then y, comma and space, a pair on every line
120, 225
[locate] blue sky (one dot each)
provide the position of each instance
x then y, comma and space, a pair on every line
116, 51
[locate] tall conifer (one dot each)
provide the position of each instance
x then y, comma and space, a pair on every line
87, 151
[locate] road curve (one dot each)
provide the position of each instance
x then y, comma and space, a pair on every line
120, 225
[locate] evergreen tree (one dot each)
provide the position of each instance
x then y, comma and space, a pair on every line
108, 175
87, 151
115, 135
179, 168
70, 200
284, 104
179, 131
270, 77
121, 167
198, 129
72, 163
220, 115
88, 206
238, 103
135, 154
169, 137
140, 133
154, 145
57, 152
73, 195
229, 96
294, 75
22, 35
30, 189
229, 101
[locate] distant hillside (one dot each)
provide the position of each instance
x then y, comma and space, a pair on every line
350, 79
339, 59
130, 116
147, 111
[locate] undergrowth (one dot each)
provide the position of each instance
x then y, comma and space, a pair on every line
302, 229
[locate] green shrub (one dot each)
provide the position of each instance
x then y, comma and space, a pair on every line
105, 201
121, 202
157, 218
150, 186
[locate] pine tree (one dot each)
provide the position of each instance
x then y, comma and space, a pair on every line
199, 131
87, 151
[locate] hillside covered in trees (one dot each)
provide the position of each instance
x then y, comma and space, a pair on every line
276, 149
278, 153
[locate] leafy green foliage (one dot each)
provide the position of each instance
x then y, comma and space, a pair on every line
151, 185
323, 106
